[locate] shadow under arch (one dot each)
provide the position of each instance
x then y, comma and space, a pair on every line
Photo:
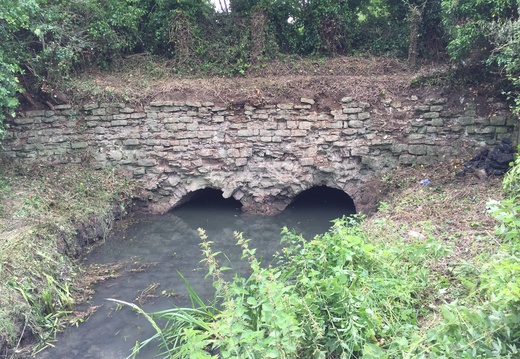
312, 211
208, 198
320, 196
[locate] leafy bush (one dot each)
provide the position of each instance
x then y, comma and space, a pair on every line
490, 327
507, 211
50, 39
9, 86
335, 296
344, 294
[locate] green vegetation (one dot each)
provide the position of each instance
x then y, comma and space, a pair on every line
47, 216
46, 43
422, 278
432, 286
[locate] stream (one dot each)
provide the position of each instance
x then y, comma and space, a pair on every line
153, 248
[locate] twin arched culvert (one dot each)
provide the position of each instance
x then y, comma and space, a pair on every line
314, 197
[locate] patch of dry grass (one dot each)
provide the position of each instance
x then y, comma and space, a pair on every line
140, 79
47, 215
451, 211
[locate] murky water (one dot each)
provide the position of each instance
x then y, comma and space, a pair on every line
170, 243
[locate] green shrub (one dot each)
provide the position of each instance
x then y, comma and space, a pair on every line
507, 211
337, 295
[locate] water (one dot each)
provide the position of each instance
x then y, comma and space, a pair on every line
165, 244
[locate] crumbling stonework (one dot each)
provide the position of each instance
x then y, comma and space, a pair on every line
262, 156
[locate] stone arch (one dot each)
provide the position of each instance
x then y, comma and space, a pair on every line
207, 196
321, 195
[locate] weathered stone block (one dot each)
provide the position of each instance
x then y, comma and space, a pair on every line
99, 112
470, 129
347, 99
356, 124
292, 124
359, 151
266, 132
283, 133
405, 159
115, 155
139, 171
298, 133
482, 121
48, 119
123, 116
90, 107
265, 116
119, 123
79, 145
436, 108
240, 162
304, 125
426, 160
349, 110
169, 109
206, 152
428, 115
233, 153
400, 147
363, 116
465, 121
436, 122
205, 134
245, 133
131, 142
497, 120
24, 120
422, 108
332, 125
438, 101
309, 101
34, 140
487, 129
146, 162
161, 103
501, 129
307, 161
417, 149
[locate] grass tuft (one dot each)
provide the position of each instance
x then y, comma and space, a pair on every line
47, 216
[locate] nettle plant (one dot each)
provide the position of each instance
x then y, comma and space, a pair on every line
489, 326
337, 295
507, 211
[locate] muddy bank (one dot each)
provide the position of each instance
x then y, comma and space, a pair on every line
49, 217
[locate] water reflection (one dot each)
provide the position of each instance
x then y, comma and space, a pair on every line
170, 243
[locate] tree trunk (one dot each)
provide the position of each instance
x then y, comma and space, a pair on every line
415, 21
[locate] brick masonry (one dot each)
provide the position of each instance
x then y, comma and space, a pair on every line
261, 155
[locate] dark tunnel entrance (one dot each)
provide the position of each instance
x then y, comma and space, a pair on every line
209, 198
323, 196
312, 211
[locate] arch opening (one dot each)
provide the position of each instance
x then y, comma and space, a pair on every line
323, 196
208, 198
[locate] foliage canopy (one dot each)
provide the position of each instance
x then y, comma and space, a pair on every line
44, 41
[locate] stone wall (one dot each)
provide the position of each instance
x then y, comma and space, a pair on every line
263, 156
